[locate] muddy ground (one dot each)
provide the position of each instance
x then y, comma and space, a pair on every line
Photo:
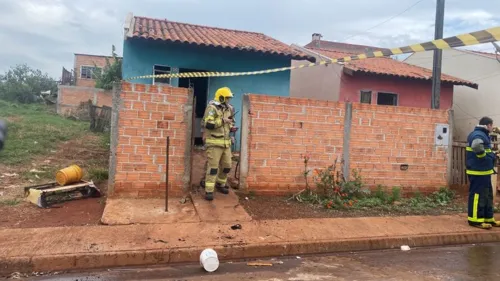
270, 208
88, 152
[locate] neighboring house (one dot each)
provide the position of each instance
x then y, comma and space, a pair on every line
156, 46
85, 66
317, 43
382, 81
469, 105
78, 85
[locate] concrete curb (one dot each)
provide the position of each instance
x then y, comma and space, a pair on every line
95, 260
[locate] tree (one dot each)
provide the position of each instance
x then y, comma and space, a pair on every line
24, 84
112, 72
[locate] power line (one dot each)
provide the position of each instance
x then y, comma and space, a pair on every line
464, 112
474, 117
389, 19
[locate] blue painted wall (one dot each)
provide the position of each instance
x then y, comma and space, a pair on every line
139, 56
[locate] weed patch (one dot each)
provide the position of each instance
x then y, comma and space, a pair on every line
34, 130
334, 192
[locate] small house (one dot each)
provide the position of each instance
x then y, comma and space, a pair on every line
381, 81
161, 46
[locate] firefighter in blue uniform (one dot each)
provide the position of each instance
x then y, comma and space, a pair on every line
480, 161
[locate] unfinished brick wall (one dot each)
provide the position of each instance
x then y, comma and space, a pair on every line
69, 98
147, 114
381, 139
282, 130
385, 137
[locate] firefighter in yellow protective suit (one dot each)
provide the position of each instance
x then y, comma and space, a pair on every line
218, 123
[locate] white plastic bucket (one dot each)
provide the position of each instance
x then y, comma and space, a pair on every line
209, 260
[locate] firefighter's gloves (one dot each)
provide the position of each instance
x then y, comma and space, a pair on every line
234, 129
477, 146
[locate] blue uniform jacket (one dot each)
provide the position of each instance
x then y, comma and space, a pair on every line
480, 164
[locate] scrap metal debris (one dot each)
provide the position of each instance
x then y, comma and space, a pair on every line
45, 195
236, 226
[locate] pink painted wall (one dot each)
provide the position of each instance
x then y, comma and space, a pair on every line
412, 93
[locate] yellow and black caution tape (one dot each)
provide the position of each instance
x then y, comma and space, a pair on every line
467, 39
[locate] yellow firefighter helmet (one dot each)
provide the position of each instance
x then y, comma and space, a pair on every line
222, 94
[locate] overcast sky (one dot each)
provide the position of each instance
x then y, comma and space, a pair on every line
46, 33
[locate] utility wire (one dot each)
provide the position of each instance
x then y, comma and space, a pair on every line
387, 20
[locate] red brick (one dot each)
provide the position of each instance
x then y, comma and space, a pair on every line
144, 97
141, 88
168, 116
162, 124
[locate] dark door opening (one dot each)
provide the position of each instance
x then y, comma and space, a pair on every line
200, 91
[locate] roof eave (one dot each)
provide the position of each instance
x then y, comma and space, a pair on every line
287, 55
352, 71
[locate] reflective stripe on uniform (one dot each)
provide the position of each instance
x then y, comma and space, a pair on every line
218, 142
468, 148
475, 220
479, 173
489, 220
219, 181
474, 206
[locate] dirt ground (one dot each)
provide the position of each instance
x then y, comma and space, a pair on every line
74, 213
88, 153
269, 208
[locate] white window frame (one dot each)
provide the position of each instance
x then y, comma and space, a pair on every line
91, 74
155, 71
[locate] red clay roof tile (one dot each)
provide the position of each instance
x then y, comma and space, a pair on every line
162, 29
391, 67
342, 47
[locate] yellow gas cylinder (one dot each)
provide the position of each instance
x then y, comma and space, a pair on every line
69, 175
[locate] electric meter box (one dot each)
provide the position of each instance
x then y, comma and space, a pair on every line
442, 135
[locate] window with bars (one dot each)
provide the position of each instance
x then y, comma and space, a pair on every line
387, 99
161, 69
88, 72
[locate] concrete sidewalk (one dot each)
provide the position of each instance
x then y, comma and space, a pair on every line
70, 248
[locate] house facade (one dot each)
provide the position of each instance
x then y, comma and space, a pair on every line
78, 86
380, 81
469, 105
85, 65
156, 46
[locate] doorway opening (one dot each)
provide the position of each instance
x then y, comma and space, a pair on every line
200, 92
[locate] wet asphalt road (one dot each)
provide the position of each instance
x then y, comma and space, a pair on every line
471, 262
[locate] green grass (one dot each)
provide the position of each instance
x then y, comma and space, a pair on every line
10, 202
98, 174
34, 130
